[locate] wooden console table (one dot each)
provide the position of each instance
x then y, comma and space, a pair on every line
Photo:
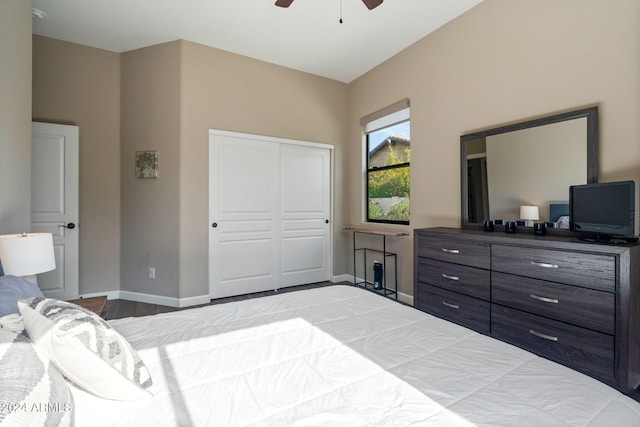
364, 283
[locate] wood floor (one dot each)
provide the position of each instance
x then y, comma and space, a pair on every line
119, 308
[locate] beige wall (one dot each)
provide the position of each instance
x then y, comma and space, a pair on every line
150, 117
79, 85
501, 62
166, 98
172, 94
15, 116
221, 90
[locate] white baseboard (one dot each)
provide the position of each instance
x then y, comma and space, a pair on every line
405, 298
197, 300
152, 299
109, 294
203, 299
342, 278
162, 300
402, 297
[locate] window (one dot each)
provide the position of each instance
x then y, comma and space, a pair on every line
388, 153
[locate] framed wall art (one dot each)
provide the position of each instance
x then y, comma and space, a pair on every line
146, 164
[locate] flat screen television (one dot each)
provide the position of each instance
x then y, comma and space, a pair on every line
603, 211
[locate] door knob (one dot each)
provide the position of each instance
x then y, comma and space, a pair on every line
214, 225
70, 226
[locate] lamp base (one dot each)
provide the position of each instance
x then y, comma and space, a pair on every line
33, 278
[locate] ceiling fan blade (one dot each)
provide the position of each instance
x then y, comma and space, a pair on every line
372, 4
283, 3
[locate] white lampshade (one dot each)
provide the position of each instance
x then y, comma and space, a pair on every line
529, 213
27, 254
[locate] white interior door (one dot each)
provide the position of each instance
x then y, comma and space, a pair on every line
306, 208
269, 203
244, 215
54, 203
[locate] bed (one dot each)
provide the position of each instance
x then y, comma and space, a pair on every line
340, 355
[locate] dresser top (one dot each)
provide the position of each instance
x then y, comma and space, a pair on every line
527, 239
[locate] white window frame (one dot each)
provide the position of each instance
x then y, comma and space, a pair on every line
396, 113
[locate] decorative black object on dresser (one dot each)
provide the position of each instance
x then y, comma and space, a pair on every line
573, 302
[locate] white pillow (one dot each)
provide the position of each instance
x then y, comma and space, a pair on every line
86, 349
12, 322
32, 391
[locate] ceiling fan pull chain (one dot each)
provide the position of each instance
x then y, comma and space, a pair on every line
341, 11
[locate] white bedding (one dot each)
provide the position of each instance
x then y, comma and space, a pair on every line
340, 355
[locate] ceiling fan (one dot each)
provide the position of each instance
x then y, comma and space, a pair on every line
371, 4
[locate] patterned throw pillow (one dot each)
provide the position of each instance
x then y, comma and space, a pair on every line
13, 322
32, 391
86, 349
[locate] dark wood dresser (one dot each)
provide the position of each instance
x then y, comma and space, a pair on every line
570, 301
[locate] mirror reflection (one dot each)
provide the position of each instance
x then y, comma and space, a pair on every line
510, 170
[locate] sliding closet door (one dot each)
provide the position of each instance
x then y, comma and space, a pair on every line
244, 210
305, 200
269, 213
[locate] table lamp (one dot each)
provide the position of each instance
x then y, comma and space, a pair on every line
529, 214
27, 254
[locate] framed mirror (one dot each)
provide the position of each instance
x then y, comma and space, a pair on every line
528, 164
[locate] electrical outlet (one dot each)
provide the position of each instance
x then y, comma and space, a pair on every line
152, 273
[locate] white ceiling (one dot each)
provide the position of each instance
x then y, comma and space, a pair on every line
307, 36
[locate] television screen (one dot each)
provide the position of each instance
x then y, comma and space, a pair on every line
605, 209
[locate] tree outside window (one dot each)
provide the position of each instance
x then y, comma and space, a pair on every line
388, 174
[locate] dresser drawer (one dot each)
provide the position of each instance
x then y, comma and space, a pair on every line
461, 309
471, 281
581, 349
573, 268
456, 251
579, 306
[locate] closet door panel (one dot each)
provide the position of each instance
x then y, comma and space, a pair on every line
305, 204
245, 215
270, 207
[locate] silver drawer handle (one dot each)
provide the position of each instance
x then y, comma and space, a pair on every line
544, 299
543, 336
446, 276
451, 251
544, 264
446, 304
